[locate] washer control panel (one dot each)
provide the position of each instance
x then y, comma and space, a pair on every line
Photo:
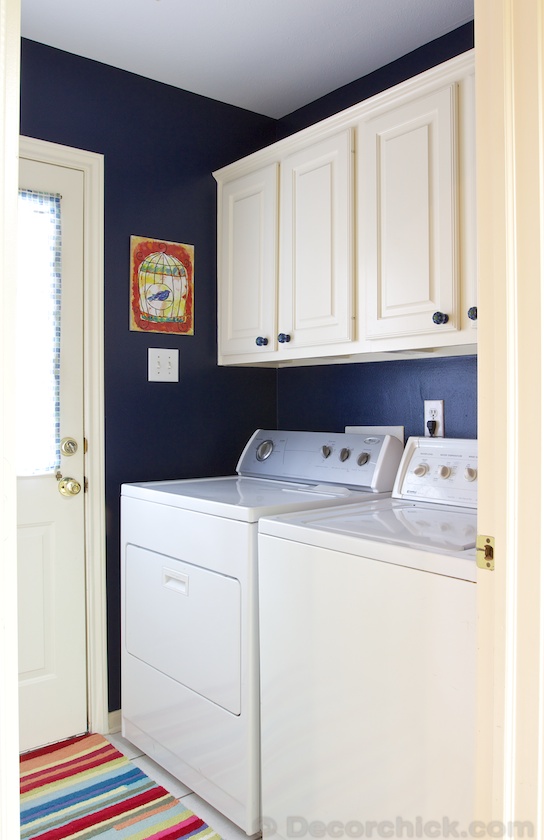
439, 470
368, 462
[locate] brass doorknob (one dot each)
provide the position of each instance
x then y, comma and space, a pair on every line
69, 487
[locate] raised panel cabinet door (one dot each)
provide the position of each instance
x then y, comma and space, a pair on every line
248, 263
408, 229
316, 245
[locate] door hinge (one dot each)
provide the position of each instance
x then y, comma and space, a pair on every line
485, 552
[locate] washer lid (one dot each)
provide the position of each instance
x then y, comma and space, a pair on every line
428, 527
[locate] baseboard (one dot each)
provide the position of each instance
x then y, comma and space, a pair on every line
114, 721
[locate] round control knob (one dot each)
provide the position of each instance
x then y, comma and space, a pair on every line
470, 473
363, 458
473, 313
284, 338
421, 470
261, 341
326, 451
264, 450
440, 318
344, 453
444, 472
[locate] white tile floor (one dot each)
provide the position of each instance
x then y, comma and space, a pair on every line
219, 823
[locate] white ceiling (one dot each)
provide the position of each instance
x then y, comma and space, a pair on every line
269, 56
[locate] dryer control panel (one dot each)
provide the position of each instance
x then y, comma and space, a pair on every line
345, 459
440, 471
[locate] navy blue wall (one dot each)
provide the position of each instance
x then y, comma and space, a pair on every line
373, 393
160, 146
429, 55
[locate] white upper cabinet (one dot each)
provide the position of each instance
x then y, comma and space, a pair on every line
416, 237
247, 221
407, 223
316, 245
307, 306
355, 238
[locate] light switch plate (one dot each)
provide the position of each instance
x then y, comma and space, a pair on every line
162, 365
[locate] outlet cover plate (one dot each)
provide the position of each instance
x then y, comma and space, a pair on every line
434, 410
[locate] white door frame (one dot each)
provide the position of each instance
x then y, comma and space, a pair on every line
10, 15
510, 189
92, 167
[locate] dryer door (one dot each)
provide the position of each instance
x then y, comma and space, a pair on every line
184, 621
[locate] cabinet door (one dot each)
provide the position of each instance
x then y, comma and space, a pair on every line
408, 255
316, 244
248, 263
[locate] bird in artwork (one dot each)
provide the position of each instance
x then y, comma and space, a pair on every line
160, 295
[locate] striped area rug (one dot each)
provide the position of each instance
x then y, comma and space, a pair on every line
84, 788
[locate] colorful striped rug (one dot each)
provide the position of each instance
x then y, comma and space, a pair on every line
86, 788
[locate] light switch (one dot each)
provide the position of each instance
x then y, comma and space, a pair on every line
162, 365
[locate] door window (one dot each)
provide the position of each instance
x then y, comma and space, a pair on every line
38, 333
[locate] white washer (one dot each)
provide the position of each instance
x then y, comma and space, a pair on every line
368, 657
190, 651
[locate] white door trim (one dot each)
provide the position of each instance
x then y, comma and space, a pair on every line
10, 49
510, 173
92, 166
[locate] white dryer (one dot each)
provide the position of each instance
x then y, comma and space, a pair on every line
190, 649
368, 657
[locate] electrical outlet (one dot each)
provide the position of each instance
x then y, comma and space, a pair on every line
162, 365
434, 410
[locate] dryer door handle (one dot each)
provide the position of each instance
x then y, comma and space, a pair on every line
177, 581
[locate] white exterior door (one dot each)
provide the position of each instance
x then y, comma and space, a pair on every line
51, 547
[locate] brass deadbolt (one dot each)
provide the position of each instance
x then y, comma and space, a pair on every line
68, 446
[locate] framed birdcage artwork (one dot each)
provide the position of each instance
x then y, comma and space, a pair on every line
161, 286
